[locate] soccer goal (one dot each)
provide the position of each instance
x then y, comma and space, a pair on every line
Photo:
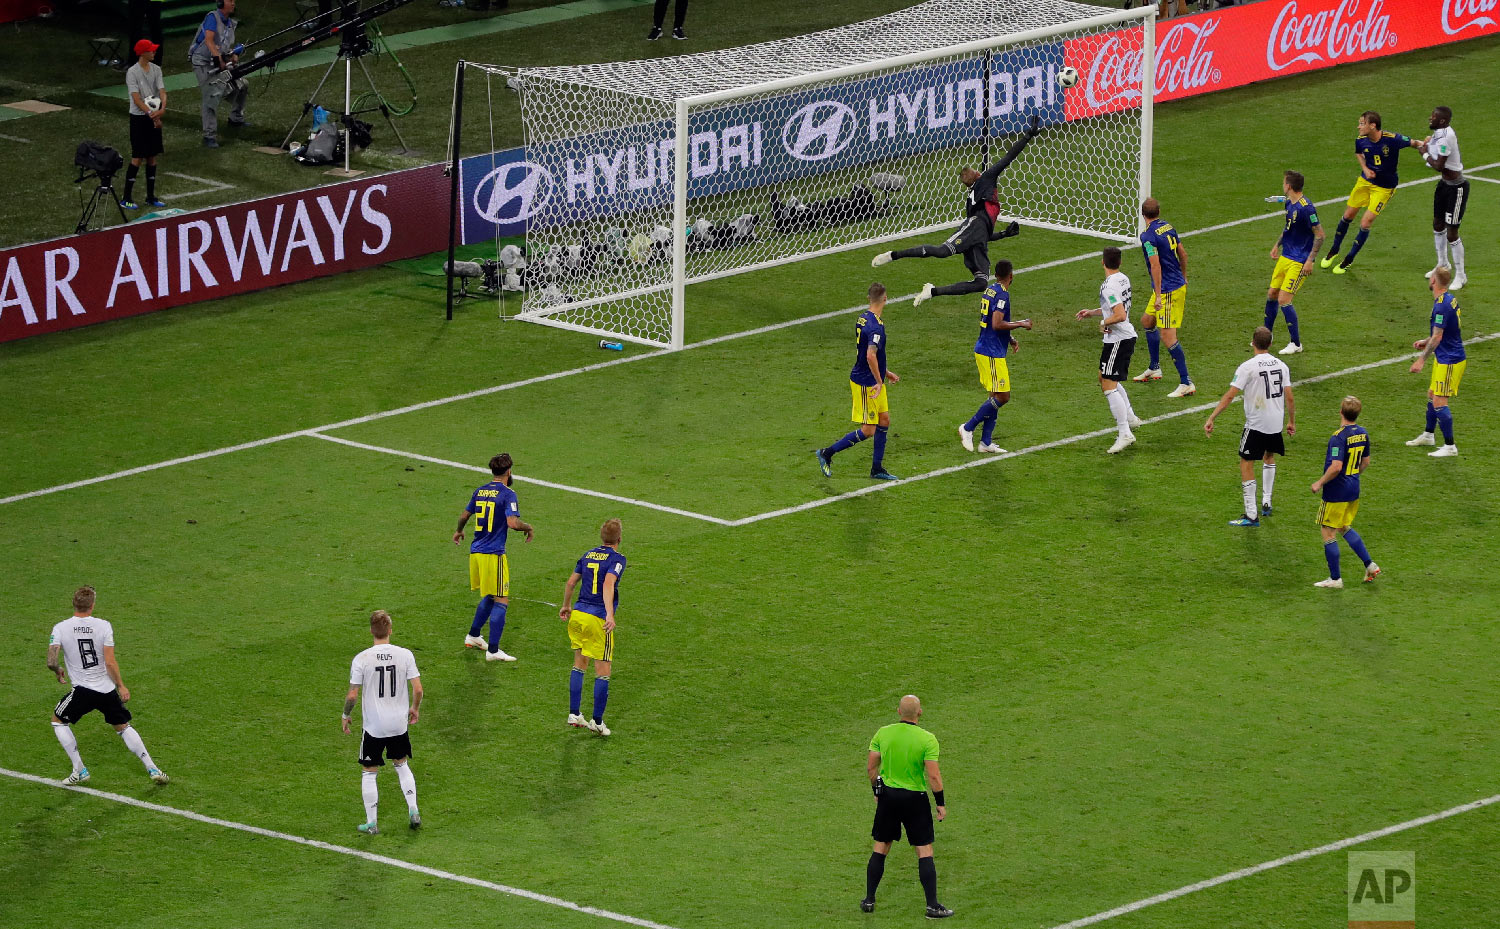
642, 177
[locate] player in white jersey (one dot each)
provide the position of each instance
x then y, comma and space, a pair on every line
86, 645
382, 671
1451, 197
1266, 382
1119, 345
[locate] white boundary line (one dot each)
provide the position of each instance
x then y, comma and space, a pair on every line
584, 369
1288, 859
524, 480
1476, 177
16, 138
212, 188
343, 850
1058, 443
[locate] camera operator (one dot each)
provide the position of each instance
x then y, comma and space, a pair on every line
144, 81
212, 52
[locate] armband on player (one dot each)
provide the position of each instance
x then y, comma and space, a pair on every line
937, 796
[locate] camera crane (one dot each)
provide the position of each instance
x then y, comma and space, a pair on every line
354, 44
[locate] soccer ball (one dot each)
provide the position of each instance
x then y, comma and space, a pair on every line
152, 103
1068, 76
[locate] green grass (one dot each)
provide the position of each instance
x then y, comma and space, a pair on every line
1131, 697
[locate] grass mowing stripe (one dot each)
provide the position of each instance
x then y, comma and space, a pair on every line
1070, 440
524, 480
342, 850
1288, 859
584, 369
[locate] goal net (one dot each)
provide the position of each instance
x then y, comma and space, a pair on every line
820, 143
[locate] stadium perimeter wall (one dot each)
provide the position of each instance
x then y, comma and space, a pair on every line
143, 267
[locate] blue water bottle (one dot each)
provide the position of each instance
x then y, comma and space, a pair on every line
612, 346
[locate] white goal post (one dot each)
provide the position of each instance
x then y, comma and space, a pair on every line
646, 176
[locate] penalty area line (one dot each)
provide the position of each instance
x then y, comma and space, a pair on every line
520, 479
1264, 866
342, 850
1070, 440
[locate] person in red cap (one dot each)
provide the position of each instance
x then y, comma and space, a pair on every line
144, 81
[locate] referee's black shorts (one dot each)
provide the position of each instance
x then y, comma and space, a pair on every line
897, 808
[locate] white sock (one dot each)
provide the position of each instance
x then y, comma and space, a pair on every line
1129, 410
1119, 408
408, 785
1457, 247
1440, 241
371, 794
1267, 479
137, 747
1247, 490
64, 733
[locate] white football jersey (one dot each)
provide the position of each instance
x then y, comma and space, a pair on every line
382, 671
1263, 380
1114, 292
83, 640
1444, 144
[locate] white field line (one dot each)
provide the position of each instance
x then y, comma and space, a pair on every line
1058, 443
216, 185
524, 480
584, 369
343, 850
1476, 177
16, 138
1340, 845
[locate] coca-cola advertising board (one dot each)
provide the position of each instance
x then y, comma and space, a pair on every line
1239, 45
142, 267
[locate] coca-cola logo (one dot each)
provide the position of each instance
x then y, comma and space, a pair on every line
1456, 11
1183, 62
1343, 32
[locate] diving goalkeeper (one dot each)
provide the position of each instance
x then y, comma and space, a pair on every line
974, 236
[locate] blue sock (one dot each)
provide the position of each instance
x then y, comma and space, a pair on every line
1291, 323
497, 625
1338, 237
987, 436
601, 696
1357, 545
483, 612
981, 414
1153, 342
878, 459
1179, 358
1359, 243
1431, 417
848, 441
1271, 313
1445, 420
575, 691
1331, 552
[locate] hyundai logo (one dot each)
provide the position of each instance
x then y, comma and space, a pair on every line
819, 130
513, 193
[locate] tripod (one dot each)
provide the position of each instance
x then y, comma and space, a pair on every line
104, 193
354, 45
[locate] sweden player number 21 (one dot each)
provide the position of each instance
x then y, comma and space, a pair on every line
484, 517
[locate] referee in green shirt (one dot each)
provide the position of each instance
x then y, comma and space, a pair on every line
903, 764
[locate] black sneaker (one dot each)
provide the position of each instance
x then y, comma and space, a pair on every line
938, 912
867, 906
678, 33
654, 34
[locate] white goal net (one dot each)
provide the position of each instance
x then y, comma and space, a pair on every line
820, 143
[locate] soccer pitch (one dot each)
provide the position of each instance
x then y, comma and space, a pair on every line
1131, 696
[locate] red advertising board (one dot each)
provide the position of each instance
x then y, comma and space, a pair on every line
149, 266
1238, 45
